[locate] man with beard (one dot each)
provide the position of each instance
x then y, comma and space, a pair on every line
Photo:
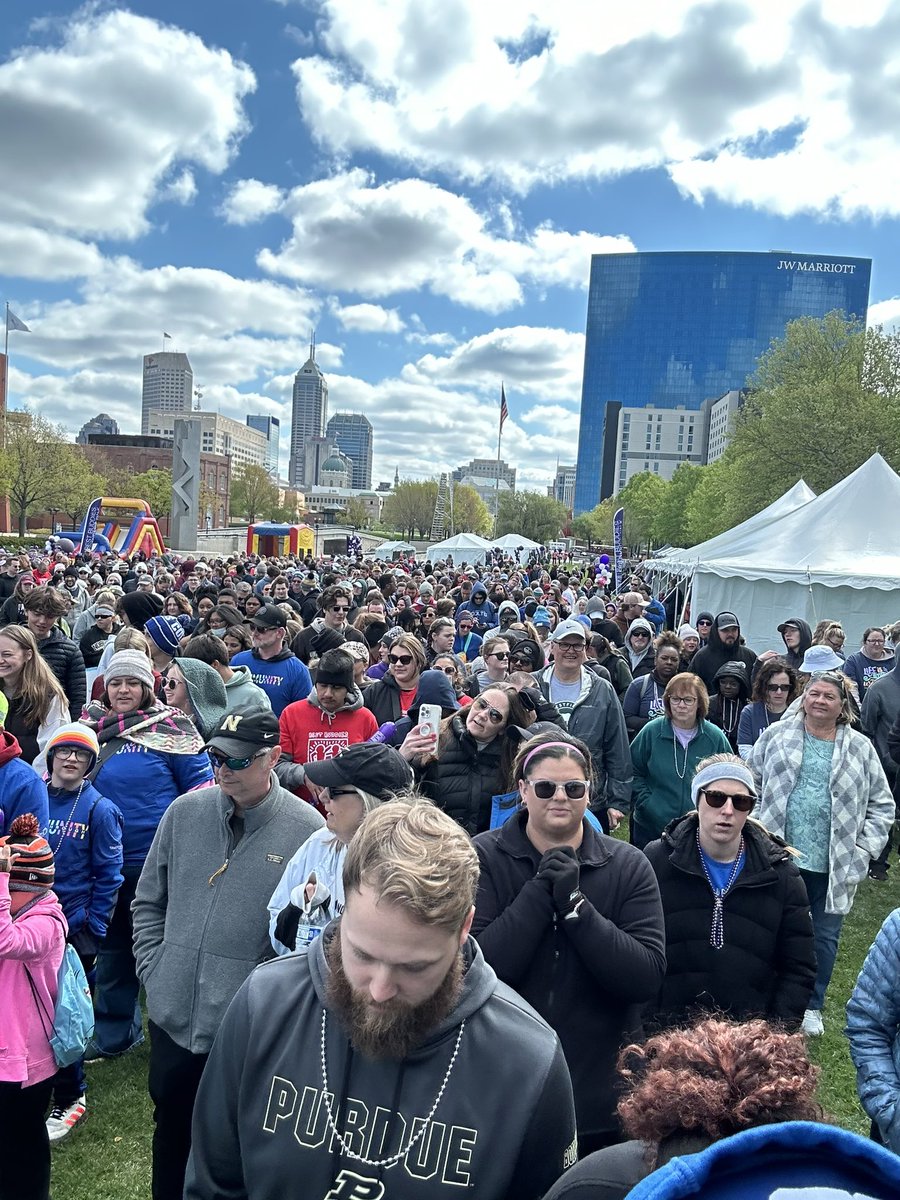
386, 1059
724, 645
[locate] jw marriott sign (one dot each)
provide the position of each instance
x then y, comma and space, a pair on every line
793, 264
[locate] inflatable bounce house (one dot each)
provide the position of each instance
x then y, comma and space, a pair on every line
268, 539
138, 531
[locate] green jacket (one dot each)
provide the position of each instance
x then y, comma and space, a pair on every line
661, 790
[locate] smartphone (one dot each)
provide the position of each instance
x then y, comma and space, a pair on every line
429, 719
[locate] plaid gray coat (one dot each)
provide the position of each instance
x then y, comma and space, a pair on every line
862, 808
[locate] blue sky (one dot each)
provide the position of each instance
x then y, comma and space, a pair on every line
423, 183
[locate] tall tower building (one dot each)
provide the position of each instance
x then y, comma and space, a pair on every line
352, 432
309, 412
668, 330
168, 386
271, 427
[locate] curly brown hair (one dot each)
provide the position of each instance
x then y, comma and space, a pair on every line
714, 1079
769, 669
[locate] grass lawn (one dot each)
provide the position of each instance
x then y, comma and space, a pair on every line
108, 1158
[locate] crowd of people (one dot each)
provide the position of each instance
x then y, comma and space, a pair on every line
345, 825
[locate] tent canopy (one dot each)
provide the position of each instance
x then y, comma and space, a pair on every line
468, 547
512, 541
681, 562
834, 557
386, 549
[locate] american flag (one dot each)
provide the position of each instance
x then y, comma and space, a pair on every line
504, 410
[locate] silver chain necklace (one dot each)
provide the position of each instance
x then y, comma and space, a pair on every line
681, 774
404, 1150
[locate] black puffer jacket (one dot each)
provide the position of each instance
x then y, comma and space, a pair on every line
589, 977
63, 657
463, 779
382, 699
767, 965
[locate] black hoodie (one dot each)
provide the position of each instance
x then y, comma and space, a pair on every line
715, 654
795, 657
727, 713
504, 1124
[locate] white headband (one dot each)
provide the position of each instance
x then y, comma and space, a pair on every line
717, 771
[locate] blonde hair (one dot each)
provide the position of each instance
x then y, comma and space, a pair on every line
37, 686
416, 857
409, 641
130, 638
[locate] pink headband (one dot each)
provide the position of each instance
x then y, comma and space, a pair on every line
546, 746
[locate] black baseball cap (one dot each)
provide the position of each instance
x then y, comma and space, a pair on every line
240, 733
727, 620
371, 766
270, 616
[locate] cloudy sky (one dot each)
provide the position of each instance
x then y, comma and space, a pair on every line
422, 183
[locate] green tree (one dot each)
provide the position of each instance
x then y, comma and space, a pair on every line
823, 399
33, 459
530, 515
254, 494
596, 527
641, 498
76, 485
356, 513
470, 513
410, 508
155, 486
670, 524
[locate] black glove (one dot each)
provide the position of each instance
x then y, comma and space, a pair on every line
286, 926
560, 869
85, 942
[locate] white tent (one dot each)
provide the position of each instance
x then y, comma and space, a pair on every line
389, 549
836, 556
683, 562
513, 543
464, 547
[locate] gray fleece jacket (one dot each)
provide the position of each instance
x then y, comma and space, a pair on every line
201, 922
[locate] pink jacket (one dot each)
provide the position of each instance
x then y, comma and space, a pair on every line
36, 939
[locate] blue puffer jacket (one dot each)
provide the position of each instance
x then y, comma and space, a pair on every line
873, 1027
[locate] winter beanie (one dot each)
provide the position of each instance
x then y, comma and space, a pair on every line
139, 607
78, 736
165, 632
33, 869
130, 664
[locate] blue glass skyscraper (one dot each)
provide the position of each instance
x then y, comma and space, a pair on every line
675, 328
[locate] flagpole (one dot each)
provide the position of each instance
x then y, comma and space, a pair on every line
497, 479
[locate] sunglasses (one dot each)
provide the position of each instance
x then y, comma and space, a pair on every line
446, 670
340, 608
641, 633
400, 660
500, 655
496, 717
518, 660
778, 687
170, 684
233, 764
546, 789
699, 623
741, 804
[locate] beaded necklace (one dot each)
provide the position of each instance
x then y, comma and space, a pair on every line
404, 1150
717, 929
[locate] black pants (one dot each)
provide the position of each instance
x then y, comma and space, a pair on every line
25, 1160
174, 1079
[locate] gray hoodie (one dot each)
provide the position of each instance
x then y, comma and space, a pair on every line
242, 692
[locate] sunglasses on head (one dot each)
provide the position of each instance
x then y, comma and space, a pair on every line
233, 764
717, 799
546, 789
400, 660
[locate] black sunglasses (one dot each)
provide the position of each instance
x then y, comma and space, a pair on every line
741, 804
778, 687
233, 764
401, 660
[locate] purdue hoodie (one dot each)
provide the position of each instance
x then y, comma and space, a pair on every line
504, 1125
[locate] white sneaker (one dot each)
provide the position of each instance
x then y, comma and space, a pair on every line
812, 1024
63, 1120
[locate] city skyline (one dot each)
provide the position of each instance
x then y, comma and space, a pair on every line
431, 217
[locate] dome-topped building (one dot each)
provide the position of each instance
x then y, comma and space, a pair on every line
336, 471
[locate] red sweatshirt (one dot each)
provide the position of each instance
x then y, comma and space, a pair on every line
309, 734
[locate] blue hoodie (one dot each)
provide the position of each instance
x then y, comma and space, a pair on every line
483, 611
85, 834
21, 790
787, 1160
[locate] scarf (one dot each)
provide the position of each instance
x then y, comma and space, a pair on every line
167, 730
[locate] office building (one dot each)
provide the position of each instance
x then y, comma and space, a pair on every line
245, 447
563, 486
316, 453
168, 387
102, 423
309, 412
719, 414
656, 440
352, 434
271, 428
669, 330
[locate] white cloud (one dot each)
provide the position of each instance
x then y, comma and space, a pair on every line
250, 200
368, 318
96, 128
790, 107
886, 313
542, 362
351, 234
30, 253
181, 190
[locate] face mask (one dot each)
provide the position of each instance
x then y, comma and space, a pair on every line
218, 632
